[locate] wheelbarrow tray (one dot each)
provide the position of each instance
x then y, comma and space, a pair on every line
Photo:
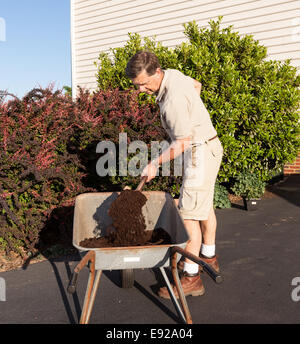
91, 220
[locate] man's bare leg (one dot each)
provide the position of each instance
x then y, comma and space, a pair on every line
194, 232
208, 228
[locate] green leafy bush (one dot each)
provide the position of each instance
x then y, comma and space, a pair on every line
221, 199
254, 103
248, 186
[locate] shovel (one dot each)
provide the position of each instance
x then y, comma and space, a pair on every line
140, 186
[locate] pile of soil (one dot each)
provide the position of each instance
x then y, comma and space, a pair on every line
128, 224
156, 237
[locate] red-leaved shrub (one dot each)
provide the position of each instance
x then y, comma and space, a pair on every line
48, 157
37, 173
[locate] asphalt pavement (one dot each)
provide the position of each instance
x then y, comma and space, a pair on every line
259, 254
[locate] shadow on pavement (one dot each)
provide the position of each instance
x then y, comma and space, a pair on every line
63, 292
156, 301
115, 277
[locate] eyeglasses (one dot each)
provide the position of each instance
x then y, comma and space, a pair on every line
144, 83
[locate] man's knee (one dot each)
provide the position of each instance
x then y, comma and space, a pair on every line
210, 222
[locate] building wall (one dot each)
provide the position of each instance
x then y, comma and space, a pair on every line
293, 168
98, 25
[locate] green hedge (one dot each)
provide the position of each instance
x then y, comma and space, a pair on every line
254, 103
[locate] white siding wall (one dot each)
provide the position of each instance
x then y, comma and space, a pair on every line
98, 25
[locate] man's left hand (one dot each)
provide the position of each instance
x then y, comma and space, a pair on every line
150, 171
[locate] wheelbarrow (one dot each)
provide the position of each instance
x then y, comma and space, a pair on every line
91, 219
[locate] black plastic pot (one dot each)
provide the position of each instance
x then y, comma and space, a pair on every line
252, 203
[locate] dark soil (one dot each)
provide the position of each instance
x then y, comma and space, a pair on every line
156, 237
129, 227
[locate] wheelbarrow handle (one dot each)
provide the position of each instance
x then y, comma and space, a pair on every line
73, 282
88, 258
206, 267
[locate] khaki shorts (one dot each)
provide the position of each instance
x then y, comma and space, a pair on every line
196, 196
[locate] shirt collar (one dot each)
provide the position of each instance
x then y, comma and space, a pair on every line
162, 88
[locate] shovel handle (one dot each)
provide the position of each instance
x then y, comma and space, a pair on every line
142, 183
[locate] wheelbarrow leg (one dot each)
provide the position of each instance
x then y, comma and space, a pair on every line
180, 292
90, 297
92, 285
88, 292
170, 289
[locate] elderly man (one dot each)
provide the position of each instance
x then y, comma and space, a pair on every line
187, 122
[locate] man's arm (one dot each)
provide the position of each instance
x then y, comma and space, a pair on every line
197, 86
176, 148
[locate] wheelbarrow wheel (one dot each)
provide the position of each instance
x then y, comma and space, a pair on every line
127, 277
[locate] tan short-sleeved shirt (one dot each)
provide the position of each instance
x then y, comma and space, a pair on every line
182, 111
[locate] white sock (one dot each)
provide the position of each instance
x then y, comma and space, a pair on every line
191, 268
208, 250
